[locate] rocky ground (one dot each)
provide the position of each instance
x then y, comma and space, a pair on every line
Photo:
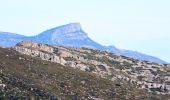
151, 76
65, 75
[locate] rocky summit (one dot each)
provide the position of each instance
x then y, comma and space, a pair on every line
40, 71
71, 35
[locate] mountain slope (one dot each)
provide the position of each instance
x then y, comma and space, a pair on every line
72, 35
146, 75
25, 77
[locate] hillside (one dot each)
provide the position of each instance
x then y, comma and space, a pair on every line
145, 74
23, 76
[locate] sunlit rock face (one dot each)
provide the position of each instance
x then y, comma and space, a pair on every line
67, 35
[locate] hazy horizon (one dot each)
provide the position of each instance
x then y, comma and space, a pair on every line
141, 26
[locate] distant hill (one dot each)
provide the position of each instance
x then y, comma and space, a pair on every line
71, 35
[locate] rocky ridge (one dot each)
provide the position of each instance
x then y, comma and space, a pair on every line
146, 75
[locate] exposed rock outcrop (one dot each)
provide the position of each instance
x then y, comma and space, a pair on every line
151, 76
39, 50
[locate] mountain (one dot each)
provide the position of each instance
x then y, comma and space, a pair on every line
72, 35
10, 39
35, 71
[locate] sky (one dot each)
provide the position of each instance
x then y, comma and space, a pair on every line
138, 25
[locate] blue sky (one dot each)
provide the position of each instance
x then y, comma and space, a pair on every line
139, 25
